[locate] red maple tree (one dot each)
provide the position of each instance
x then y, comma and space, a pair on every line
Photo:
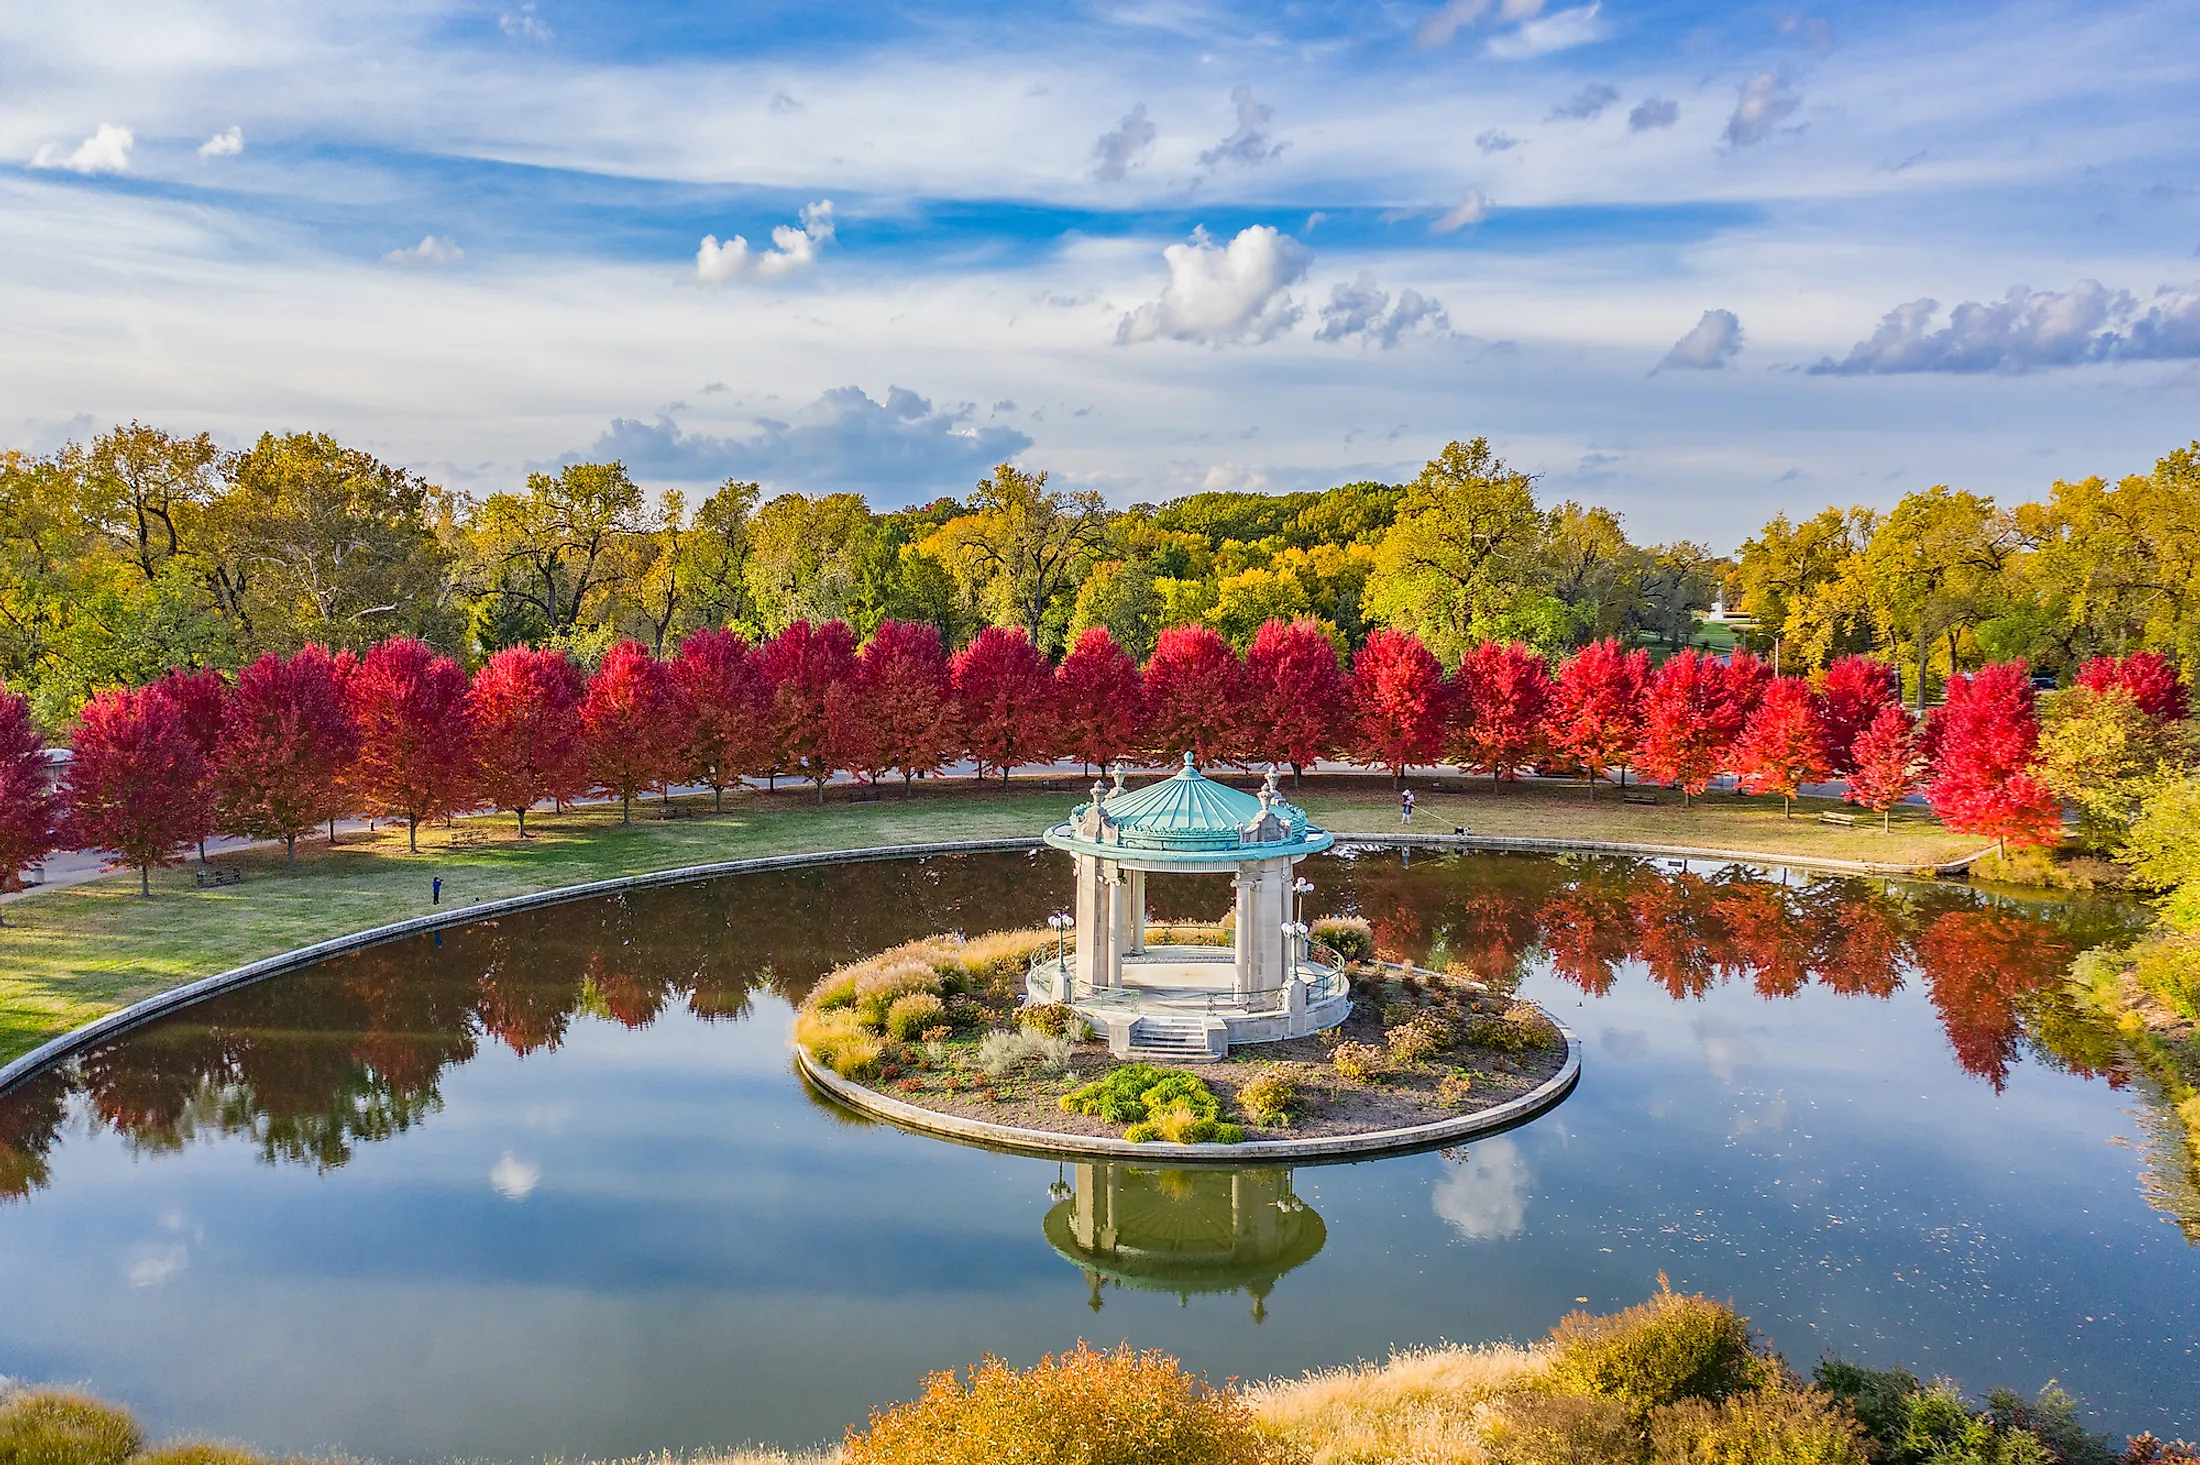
200, 694
633, 725
1398, 702
1689, 722
1783, 744
286, 739
1294, 694
1100, 704
907, 701
30, 815
1596, 708
2149, 677
1501, 698
1194, 695
137, 784
1004, 700
803, 665
415, 739
1983, 738
729, 709
1885, 762
525, 705
1853, 690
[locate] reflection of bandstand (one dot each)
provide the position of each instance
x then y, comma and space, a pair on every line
1190, 1003
1184, 1231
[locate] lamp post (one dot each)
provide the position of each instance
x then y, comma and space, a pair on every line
1300, 888
1295, 931
1060, 921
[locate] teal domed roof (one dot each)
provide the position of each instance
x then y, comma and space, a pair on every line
1188, 818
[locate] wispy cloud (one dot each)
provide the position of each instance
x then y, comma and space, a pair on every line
433, 251
1765, 101
1250, 144
2028, 330
224, 144
523, 24
1220, 295
1496, 141
1712, 344
1471, 210
105, 151
1557, 32
792, 250
1653, 112
1586, 105
1123, 149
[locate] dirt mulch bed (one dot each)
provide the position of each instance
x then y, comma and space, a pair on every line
1327, 1106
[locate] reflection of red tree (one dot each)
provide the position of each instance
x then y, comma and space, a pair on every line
1856, 939
1679, 938
525, 1015
1496, 929
1588, 931
1978, 966
632, 997
29, 1119
1761, 938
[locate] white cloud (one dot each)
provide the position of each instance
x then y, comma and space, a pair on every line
515, 1179
225, 144
1557, 32
433, 251
1220, 294
1713, 343
2028, 330
1117, 152
1496, 140
1764, 103
792, 249
1457, 15
1364, 311
522, 24
1483, 1194
1250, 144
1586, 105
900, 446
1472, 209
1653, 112
105, 151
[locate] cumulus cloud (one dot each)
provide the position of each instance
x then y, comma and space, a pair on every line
1496, 141
792, 249
1483, 1194
522, 24
1364, 312
1764, 103
1117, 152
1586, 105
2028, 330
226, 144
436, 249
1220, 294
1652, 112
1711, 345
845, 439
1472, 209
1251, 143
105, 151
514, 1178
1554, 32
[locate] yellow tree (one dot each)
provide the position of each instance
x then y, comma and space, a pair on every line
1022, 545
1935, 568
1464, 559
2119, 564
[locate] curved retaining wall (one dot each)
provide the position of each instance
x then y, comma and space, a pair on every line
1329, 1148
138, 1013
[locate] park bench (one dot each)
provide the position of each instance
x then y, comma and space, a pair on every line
1641, 797
1846, 821
674, 811
863, 793
208, 879
1053, 786
465, 835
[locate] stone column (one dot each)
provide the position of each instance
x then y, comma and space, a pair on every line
1246, 936
1138, 911
1261, 914
1119, 920
1088, 962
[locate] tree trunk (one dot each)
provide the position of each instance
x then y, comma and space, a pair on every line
1784, 814
412, 833
1296, 780
145, 881
522, 812
821, 793
717, 798
332, 831
1886, 820
290, 849
908, 782
202, 851
1004, 776
626, 808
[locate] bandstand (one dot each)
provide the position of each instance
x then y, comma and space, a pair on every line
1187, 1003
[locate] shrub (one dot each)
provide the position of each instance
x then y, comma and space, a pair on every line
196, 1452
1909, 1420
1411, 1044
63, 1427
913, 1014
1268, 1097
856, 1056
1157, 1103
1350, 937
1051, 1018
839, 1040
834, 991
1357, 1063
1784, 1427
1533, 1428
1672, 1347
1077, 1408
1455, 1089
1003, 1052
1521, 1028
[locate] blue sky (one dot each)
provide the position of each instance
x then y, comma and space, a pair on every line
1699, 262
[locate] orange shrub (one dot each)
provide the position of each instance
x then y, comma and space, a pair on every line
1079, 1408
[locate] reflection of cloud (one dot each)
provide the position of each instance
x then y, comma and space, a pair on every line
1626, 1042
1483, 1194
515, 1179
155, 1264
1725, 1050
1771, 1113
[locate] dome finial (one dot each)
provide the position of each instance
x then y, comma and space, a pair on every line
1191, 764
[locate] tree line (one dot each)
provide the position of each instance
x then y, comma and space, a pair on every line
296, 742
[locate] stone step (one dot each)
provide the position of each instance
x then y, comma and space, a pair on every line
1179, 1040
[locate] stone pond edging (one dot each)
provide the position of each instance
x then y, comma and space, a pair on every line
1318, 1150
160, 1004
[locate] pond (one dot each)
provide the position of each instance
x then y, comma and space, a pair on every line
546, 1185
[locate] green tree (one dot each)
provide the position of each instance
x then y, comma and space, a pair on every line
1792, 584
1246, 601
1933, 570
1023, 545
1594, 572
1465, 559
557, 552
2119, 565
805, 559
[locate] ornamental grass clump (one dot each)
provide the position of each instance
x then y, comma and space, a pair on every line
1006, 1050
1268, 1097
913, 1014
1079, 1408
1351, 937
1156, 1103
1675, 1346
63, 1427
1761, 1427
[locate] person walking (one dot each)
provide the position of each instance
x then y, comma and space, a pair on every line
1405, 807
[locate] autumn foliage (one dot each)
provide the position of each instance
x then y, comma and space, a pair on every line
1194, 691
1852, 693
728, 707
1694, 709
1004, 696
415, 738
526, 711
1595, 714
1499, 708
286, 738
634, 725
137, 783
809, 670
1983, 738
2149, 677
30, 815
1783, 744
1399, 702
904, 702
1100, 703
1885, 762
1294, 694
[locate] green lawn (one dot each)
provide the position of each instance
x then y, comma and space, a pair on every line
70, 955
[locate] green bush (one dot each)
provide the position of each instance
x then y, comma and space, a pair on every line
1911, 1422
1672, 1347
63, 1427
1051, 1018
1349, 936
912, 1014
1800, 1427
1268, 1097
1157, 1103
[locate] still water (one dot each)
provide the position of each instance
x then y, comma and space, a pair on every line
548, 1186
